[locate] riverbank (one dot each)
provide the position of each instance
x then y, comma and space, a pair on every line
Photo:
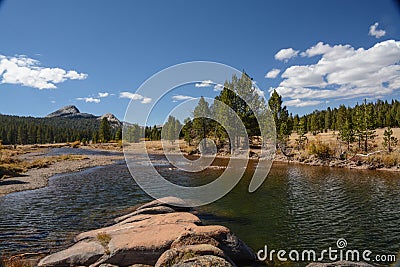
375, 161
355, 163
30, 167
42, 167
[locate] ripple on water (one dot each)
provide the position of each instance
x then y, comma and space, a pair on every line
297, 207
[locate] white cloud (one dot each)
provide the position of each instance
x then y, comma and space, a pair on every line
101, 95
272, 73
318, 49
182, 97
300, 103
373, 31
89, 99
28, 72
133, 96
145, 100
206, 83
344, 72
218, 87
286, 54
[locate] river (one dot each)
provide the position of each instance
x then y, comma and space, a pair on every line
297, 207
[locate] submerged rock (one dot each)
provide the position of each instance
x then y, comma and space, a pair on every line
156, 233
176, 255
82, 253
204, 261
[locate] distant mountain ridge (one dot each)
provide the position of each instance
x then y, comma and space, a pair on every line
69, 112
66, 124
72, 111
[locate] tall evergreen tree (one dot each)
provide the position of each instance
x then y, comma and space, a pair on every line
105, 130
280, 115
389, 141
201, 121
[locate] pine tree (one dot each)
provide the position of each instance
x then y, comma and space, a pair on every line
201, 121
301, 132
118, 134
389, 140
105, 130
346, 133
280, 115
170, 130
187, 131
367, 124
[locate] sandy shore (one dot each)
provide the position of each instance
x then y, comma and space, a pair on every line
38, 178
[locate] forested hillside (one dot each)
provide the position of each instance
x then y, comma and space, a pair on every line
29, 130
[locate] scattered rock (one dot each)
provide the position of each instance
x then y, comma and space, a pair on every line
233, 247
157, 232
204, 261
177, 255
153, 210
173, 202
194, 239
81, 254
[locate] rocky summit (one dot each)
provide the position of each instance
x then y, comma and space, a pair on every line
155, 234
69, 112
112, 119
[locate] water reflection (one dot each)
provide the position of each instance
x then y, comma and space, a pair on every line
297, 207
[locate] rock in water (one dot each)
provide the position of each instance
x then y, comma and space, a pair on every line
204, 261
176, 255
145, 236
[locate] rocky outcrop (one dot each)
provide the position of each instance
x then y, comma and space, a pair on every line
157, 233
69, 112
340, 264
64, 111
114, 122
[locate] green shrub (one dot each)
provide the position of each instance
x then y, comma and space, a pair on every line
75, 144
320, 149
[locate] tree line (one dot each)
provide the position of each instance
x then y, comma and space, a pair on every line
239, 103
16, 130
239, 98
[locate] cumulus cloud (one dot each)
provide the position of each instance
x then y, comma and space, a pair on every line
318, 49
89, 99
272, 74
134, 96
373, 31
344, 72
28, 72
101, 95
206, 83
218, 87
182, 97
145, 100
286, 54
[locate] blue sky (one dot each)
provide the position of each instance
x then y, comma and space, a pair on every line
57, 53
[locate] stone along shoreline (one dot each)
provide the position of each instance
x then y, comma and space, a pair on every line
162, 234
155, 234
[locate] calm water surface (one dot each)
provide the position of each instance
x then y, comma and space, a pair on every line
297, 207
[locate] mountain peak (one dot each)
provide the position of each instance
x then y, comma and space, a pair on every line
111, 118
64, 111
69, 112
